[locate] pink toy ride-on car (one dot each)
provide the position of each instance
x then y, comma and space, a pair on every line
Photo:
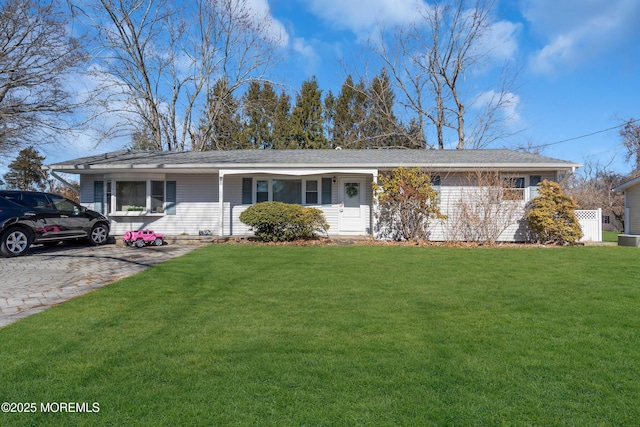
143, 238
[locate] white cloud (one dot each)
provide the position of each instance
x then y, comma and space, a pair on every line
501, 40
576, 31
361, 16
508, 107
308, 53
561, 51
273, 28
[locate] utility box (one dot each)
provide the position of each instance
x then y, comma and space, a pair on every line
628, 240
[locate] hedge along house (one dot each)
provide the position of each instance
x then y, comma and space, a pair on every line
189, 192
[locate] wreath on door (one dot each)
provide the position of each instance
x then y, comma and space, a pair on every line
352, 190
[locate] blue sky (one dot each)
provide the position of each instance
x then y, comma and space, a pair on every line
579, 64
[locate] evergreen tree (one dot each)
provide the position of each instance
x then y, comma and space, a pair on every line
411, 136
282, 123
307, 123
551, 215
329, 118
259, 105
25, 172
381, 128
142, 140
221, 127
350, 114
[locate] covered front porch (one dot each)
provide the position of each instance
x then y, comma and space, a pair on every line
345, 196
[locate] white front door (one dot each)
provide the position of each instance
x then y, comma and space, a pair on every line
351, 219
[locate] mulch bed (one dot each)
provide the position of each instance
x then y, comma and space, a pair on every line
371, 242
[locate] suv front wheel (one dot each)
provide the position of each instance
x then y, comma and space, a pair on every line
99, 234
14, 242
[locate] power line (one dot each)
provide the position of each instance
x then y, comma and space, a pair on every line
586, 135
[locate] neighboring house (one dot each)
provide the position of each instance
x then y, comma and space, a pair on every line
610, 221
187, 192
631, 190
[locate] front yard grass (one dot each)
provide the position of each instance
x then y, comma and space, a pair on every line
355, 335
610, 236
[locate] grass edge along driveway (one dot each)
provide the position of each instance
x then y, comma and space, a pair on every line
278, 335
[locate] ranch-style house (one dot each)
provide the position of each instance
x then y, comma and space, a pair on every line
193, 192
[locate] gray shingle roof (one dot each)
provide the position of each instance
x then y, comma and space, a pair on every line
380, 159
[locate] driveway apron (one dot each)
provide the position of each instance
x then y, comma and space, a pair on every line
49, 276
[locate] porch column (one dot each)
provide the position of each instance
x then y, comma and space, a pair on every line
374, 207
221, 204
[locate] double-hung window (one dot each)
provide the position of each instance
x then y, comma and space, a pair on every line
157, 196
514, 189
131, 196
262, 191
287, 190
117, 197
534, 180
301, 191
311, 193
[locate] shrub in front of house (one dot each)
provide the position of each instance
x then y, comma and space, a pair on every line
551, 215
279, 222
407, 203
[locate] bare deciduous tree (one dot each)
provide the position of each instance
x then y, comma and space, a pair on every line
630, 134
592, 188
37, 53
430, 60
159, 61
487, 204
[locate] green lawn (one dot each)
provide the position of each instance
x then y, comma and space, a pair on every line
341, 336
610, 236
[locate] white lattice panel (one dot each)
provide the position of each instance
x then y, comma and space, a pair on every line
591, 224
587, 215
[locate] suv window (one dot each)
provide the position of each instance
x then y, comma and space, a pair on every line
63, 204
4, 203
14, 197
34, 200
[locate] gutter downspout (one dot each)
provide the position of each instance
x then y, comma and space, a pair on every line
568, 175
62, 180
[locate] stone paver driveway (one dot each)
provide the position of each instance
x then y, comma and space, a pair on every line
50, 276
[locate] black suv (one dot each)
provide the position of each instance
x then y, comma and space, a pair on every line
28, 217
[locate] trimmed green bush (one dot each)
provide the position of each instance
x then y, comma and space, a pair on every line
278, 222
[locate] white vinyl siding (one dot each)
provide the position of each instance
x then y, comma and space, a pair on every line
86, 190
455, 186
233, 207
196, 205
633, 206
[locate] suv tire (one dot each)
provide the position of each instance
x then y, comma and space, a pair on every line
99, 234
14, 242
